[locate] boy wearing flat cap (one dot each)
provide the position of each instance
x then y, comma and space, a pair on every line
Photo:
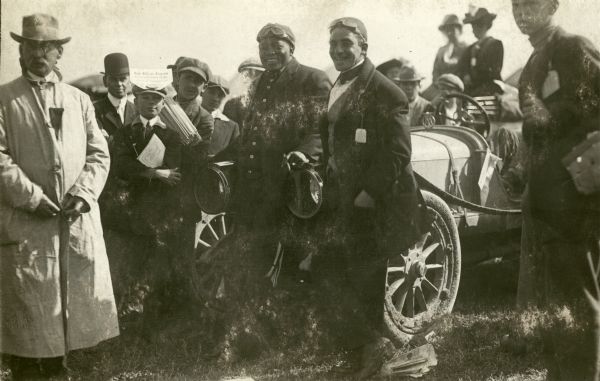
482, 62
115, 111
225, 130
56, 292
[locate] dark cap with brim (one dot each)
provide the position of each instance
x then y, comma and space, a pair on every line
279, 31
219, 82
137, 90
195, 66
481, 15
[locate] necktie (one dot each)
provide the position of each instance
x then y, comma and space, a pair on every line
121, 112
147, 130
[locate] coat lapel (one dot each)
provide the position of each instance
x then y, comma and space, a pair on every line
130, 113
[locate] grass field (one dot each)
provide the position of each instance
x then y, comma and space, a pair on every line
467, 344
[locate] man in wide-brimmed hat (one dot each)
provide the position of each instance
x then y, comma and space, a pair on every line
53, 165
481, 64
115, 110
447, 57
391, 68
409, 80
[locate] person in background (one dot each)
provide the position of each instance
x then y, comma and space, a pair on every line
447, 84
391, 68
172, 88
236, 108
409, 80
56, 293
560, 100
115, 111
481, 64
225, 130
447, 57
367, 150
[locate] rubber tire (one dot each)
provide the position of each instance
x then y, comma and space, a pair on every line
402, 335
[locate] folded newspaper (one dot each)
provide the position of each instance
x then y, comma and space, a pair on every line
413, 364
153, 154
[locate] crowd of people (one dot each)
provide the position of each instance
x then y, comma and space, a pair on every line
70, 169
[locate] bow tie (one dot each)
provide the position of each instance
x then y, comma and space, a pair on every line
349, 75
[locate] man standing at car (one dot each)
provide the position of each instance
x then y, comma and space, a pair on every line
55, 288
560, 99
367, 148
409, 81
115, 111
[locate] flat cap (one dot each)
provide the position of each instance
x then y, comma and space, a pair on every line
251, 63
137, 90
450, 81
279, 31
220, 82
177, 62
352, 23
195, 66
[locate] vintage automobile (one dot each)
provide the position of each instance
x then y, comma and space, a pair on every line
465, 197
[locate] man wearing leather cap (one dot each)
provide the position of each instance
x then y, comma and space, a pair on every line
482, 62
367, 148
409, 80
115, 111
54, 162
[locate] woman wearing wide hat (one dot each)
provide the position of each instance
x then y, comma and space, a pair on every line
447, 57
482, 62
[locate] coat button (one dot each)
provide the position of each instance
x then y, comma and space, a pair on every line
251, 156
255, 128
249, 171
253, 143
268, 87
264, 100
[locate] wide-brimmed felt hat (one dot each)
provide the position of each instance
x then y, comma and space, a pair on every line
279, 31
116, 64
394, 62
450, 20
194, 65
409, 73
219, 82
252, 64
39, 27
480, 15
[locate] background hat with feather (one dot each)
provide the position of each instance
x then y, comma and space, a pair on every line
39, 27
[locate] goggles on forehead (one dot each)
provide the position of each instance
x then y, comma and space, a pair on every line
348, 23
274, 31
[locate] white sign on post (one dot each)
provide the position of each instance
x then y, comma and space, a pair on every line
151, 78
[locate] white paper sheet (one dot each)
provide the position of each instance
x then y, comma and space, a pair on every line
153, 154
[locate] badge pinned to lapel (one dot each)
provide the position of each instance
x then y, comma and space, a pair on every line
551, 84
360, 136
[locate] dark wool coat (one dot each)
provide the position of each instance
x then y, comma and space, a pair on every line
107, 117
575, 111
282, 117
482, 61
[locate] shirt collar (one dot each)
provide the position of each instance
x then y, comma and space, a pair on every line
116, 102
52, 77
540, 38
156, 121
218, 114
351, 73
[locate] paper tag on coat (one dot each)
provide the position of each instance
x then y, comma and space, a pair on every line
360, 136
153, 154
551, 84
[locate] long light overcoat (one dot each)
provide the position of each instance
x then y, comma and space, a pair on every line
55, 287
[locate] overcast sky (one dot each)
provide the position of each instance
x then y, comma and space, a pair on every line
153, 33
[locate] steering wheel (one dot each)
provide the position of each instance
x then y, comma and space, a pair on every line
463, 116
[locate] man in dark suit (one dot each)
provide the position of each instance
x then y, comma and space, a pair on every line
482, 62
115, 111
367, 148
559, 93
